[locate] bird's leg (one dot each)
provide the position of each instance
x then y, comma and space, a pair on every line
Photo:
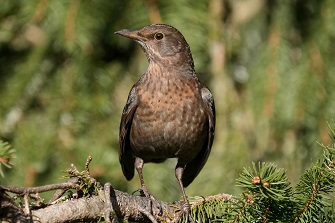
186, 206
144, 191
139, 166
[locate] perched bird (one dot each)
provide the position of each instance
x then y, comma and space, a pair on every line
169, 112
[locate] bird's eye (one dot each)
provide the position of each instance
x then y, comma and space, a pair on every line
158, 36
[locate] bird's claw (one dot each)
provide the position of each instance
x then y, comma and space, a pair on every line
151, 204
144, 193
185, 211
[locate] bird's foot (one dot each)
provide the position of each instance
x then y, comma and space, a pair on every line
144, 193
185, 211
151, 207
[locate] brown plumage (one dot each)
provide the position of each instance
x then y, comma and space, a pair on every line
169, 112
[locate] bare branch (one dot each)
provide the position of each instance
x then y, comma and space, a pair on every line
9, 210
92, 202
34, 190
121, 205
93, 208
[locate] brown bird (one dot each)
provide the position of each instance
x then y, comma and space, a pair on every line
169, 112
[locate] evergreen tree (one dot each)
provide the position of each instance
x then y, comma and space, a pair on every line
64, 78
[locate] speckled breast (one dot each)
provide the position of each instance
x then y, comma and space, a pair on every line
169, 121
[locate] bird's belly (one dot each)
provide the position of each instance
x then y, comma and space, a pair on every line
160, 132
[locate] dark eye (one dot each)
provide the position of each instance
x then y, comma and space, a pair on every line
158, 36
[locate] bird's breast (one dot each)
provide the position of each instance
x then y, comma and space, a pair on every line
169, 121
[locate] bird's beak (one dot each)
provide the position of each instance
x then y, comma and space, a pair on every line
131, 34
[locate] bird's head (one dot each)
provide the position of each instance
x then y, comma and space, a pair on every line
162, 44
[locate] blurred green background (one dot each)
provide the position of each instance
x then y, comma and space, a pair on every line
65, 77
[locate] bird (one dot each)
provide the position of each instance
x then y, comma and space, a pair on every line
169, 113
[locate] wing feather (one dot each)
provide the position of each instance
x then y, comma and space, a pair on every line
126, 157
193, 168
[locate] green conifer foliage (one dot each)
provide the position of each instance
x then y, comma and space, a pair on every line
64, 79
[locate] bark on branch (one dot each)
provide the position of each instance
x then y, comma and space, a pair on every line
120, 206
93, 208
92, 202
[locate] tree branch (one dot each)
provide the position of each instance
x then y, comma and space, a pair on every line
92, 202
123, 206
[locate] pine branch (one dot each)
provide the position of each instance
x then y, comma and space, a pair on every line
312, 192
6, 155
269, 197
266, 196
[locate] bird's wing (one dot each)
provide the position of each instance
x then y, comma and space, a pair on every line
193, 168
125, 155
